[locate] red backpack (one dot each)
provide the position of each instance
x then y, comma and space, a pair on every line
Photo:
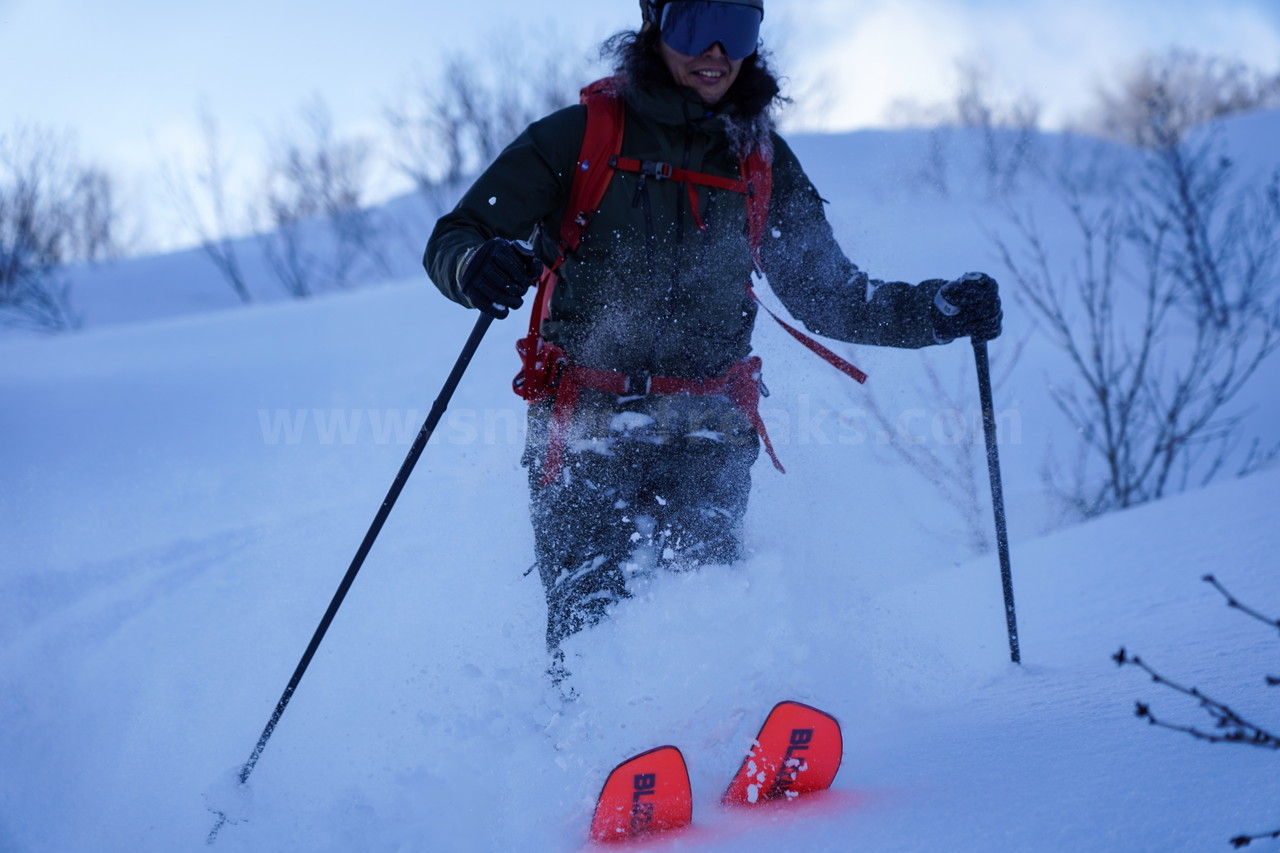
545, 369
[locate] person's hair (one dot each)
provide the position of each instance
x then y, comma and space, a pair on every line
636, 57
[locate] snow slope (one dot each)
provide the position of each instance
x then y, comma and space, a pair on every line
165, 564
180, 499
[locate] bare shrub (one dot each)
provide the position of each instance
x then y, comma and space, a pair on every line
201, 200
53, 211
318, 231
1008, 131
1228, 727
449, 128
1166, 310
1165, 96
96, 216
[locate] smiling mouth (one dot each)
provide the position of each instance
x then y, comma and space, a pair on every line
709, 75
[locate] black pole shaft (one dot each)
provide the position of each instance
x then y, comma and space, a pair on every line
406, 468
997, 492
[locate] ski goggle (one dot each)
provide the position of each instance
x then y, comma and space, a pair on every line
692, 26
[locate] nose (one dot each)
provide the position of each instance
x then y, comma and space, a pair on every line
716, 51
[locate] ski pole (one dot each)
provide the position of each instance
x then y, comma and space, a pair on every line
997, 492
406, 468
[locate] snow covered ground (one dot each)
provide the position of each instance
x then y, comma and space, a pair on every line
181, 497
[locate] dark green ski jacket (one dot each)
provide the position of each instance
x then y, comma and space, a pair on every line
648, 292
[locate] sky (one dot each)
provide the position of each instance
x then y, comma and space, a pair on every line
128, 78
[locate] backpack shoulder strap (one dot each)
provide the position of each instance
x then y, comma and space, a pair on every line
601, 141
757, 172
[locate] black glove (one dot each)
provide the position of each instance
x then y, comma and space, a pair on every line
968, 307
497, 274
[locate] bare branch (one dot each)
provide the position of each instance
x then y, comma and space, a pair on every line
1236, 729
1233, 602
1245, 840
1229, 727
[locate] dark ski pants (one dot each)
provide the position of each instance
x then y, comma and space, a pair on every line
668, 495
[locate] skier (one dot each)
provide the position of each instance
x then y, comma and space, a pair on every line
640, 446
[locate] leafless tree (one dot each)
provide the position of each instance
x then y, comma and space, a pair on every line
203, 205
53, 211
449, 128
1165, 313
1165, 96
1224, 243
96, 216
1008, 131
318, 230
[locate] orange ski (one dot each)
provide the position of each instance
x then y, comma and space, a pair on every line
645, 793
798, 750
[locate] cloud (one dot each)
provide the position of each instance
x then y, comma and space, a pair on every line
862, 56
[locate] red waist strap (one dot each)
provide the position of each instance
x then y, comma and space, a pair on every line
741, 385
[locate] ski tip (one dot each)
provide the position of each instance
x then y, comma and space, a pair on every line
646, 793
799, 750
